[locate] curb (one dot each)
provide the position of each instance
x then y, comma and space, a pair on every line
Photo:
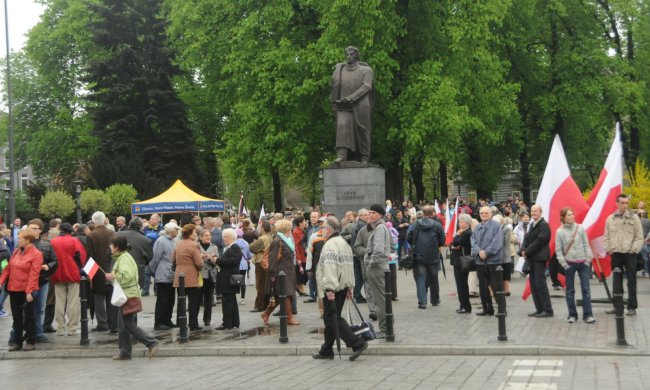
307, 350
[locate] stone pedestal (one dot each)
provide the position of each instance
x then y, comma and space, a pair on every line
352, 186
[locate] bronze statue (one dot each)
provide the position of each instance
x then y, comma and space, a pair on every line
352, 100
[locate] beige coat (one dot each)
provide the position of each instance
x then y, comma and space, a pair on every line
623, 233
335, 269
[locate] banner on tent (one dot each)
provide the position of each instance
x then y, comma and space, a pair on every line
178, 207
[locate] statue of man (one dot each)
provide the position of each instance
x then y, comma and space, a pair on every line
352, 99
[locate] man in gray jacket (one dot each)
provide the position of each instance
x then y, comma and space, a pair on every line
376, 261
359, 251
487, 246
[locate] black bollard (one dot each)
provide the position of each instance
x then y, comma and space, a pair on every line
500, 297
181, 310
83, 297
388, 296
282, 294
618, 307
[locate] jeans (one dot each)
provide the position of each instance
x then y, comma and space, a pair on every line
584, 273
427, 274
40, 299
3, 297
401, 245
312, 287
147, 280
358, 278
627, 262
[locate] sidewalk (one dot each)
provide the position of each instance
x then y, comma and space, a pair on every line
434, 331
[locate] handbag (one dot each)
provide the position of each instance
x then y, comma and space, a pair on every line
467, 262
118, 298
236, 280
132, 306
364, 329
408, 262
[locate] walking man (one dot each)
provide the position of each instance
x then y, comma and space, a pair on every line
334, 280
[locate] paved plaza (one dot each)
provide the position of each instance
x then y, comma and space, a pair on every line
434, 348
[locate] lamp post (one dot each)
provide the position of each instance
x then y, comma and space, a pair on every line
6, 210
77, 184
10, 125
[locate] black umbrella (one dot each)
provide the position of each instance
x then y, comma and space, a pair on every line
334, 315
444, 271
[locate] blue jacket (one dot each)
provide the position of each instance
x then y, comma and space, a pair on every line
489, 238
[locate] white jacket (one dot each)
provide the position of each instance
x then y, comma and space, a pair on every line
335, 269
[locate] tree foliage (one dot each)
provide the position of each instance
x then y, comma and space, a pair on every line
121, 197
56, 203
92, 200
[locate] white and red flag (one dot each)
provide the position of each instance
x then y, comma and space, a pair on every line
91, 268
558, 190
609, 186
451, 223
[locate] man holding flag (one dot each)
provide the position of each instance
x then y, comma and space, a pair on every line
623, 241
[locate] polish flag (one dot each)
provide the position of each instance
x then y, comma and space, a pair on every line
436, 207
91, 268
450, 230
609, 186
558, 190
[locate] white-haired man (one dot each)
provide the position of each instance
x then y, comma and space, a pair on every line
99, 249
334, 280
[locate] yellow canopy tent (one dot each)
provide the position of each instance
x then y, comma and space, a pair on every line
177, 199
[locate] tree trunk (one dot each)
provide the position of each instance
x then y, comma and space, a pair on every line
277, 190
395, 183
444, 188
525, 173
417, 171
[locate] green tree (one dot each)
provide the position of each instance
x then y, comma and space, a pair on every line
56, 203
92, 200
121, 197
136, 114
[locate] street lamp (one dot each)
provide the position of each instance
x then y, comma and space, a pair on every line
78, 184
10, 120
6, 211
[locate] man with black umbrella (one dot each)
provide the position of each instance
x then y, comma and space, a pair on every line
334, 280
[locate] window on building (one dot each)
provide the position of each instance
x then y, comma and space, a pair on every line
24, 181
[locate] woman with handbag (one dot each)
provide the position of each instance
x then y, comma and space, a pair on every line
187, 257
229, 279
281, 258
125, 272
463, 261
20, 277
209, 254
574, 254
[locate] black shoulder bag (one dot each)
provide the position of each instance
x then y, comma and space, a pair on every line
408, 262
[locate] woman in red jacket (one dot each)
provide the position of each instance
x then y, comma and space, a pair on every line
22, 275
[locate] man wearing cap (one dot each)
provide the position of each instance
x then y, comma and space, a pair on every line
140, 247
71, 256
376, 261
161, 268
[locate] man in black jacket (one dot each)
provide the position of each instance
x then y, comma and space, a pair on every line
140, 247
536, 250
427, 237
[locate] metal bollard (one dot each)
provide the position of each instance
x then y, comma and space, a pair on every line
282, 295
618, 306
181, 310
83, 297
388, 296
500, 297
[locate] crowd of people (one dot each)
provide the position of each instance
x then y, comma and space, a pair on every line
324, 259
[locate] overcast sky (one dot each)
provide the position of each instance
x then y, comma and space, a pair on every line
23, 15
